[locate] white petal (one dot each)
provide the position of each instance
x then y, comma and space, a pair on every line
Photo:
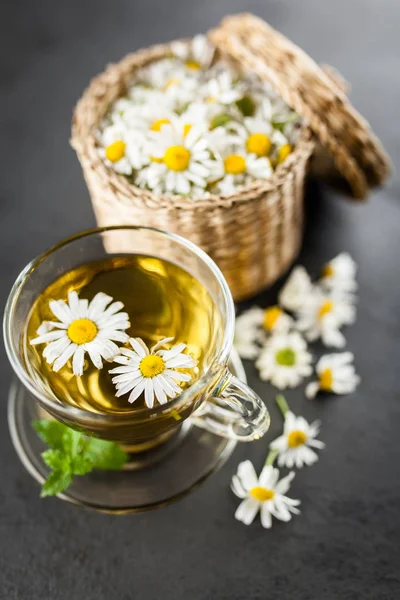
312, 389
247, 475
237, 487
61, 310
64, 358
78, 361
137, 391
139, 347
49, 337
149, 392
247, 510
266, 518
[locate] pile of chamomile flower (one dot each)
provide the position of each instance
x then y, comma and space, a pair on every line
277, 338
191, 125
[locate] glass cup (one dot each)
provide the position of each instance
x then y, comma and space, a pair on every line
218, 401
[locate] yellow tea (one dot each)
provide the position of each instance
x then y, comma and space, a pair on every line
162, 301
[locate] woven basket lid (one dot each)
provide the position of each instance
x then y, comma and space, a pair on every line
312, 93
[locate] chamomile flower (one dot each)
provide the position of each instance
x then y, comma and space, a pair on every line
296, 445
284, 360
252, 325
296, 289
265, 494
275, 320
257, 136
222, 89
340, 274
238, 168
196, 54
114, 140
336, 374
180, 159
83, 327
323, 314
152, 372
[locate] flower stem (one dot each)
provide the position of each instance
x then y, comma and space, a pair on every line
271, 457
282, 404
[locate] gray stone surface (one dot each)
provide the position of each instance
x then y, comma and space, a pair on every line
345, 545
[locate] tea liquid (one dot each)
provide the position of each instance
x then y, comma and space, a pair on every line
161, 299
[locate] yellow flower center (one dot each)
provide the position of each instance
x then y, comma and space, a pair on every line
271, 315
151, 365
193, 64
259, 144
156, 125
115, 151
296, 438
262, 494
172, 81
325, 308
211, 99
82, 331
283, 153
285, 357
234, 164
327, 271
177, 158
186, 128
326, 380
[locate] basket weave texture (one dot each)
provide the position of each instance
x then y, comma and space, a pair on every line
254, 235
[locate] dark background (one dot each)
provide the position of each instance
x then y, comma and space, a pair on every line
345, 545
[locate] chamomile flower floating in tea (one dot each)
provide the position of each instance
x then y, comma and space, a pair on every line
340, 274
336, 374
323, 314
296, 445
152, 372
284, 360
83, 328
265, 494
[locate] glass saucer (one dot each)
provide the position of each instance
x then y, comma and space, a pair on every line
150, 480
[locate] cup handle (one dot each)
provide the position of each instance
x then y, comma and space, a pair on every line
234, 410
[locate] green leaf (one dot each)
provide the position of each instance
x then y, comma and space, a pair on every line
57, 482
105, 455
73, 442
56, 460
72, 453
81, 465
51, 432
220, 120
247, 106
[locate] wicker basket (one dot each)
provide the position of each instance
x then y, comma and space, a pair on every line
255, 235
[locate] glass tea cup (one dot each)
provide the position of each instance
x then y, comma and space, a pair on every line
217, 401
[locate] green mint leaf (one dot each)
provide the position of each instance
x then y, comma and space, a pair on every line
57, 482
247, 106
73, 442
220, 120
71, 453
105, 455
81, 465
50, 432
56, 460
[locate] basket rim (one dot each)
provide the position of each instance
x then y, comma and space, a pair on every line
83, 140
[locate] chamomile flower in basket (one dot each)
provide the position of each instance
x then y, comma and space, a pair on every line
242, 203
